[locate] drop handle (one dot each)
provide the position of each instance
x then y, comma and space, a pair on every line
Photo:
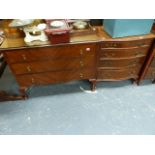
141, 44
28, 68
81, 63
109, 54
24, 57
81, 75
81, 52
133, 64
137, 53
32, 80
132, 73
111, 45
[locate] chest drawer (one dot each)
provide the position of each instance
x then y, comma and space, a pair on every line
55, 77
53, 65
121, 63
45, 53
120, 74
125, 44
123, 52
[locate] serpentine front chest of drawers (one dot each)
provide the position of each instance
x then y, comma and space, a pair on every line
122, 60
48, 65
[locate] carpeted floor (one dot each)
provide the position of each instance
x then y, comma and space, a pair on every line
115, 108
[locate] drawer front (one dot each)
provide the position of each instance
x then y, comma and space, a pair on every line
123, 52
45, 53
55, 77
123, 74
53, 65
123, 44
121, 63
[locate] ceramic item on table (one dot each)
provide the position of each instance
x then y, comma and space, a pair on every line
34, 34
57, 24
21, 22
80, 25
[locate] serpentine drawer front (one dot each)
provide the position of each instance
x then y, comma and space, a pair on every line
126, 44
110, 53
118, 60
123, 63
118, 74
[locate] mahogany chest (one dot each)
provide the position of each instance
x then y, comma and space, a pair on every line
121, 60
48, 65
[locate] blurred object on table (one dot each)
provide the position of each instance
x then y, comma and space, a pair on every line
10, 32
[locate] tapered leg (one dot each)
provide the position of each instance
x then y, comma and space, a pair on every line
135, 81
138, 82
93, 84
23, 92
153, 81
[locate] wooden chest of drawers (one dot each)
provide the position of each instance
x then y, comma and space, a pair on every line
120, 60
94, 57
48, 65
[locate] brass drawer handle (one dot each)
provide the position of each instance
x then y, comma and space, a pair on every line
24, 57
32, 80
28, 68
132, 73
108, 75
81, 52
142, 44
81, 63
133, 63
109, 54
137, 53
81, 75
110, 45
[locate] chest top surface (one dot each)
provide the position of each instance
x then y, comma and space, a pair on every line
99, 35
